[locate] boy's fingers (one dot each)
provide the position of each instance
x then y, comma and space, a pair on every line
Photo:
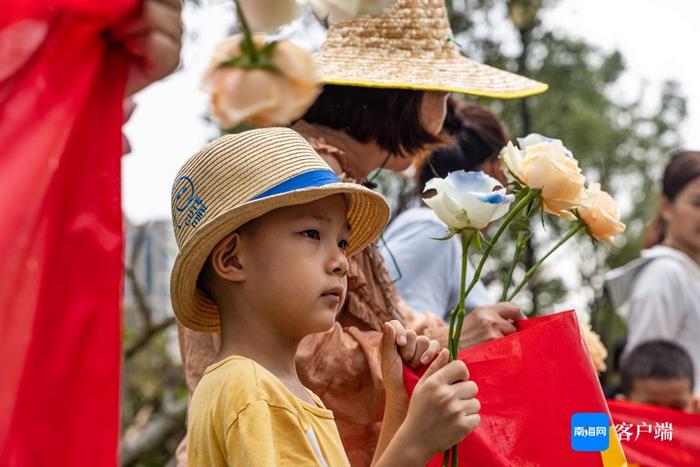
465, 389
388, 344
430, 352
439, 362
400, 332
453, 372
421, 346
409, 350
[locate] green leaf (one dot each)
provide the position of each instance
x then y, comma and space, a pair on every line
476, 241
449, 236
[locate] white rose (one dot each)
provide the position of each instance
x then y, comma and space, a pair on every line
257, 96
468, 200
339, 10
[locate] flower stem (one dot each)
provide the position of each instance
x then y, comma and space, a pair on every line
512, 214
579, 225
247, 34
466, 236
519, 246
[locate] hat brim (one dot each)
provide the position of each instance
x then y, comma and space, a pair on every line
456, 74
367, 214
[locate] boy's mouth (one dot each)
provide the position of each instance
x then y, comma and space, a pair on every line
336, 291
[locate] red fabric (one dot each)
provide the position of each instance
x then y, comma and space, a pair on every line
530, 384
683, 449
61, 92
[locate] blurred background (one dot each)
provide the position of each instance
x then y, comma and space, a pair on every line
623, 94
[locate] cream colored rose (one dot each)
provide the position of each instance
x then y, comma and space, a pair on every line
601, 215
546, 164
268, 15
258, 96
339, 10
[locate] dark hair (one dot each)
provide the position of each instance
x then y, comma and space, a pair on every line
682, 168
478, 137
389, 117
657, 359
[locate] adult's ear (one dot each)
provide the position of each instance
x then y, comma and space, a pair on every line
225, 258
664, 208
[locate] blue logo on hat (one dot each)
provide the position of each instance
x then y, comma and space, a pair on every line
188, 205
590, 432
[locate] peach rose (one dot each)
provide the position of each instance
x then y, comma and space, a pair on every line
601, 215
546, 164
268, 15
259, 96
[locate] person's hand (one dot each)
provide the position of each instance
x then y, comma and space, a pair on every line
152, 37
489, 322
443, 408
400, 346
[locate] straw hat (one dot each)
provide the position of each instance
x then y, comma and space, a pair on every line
409, 46
237, 178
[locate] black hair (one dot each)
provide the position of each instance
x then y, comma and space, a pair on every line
478, 138
657, 359
389, 117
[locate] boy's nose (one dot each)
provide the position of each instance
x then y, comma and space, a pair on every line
339, 264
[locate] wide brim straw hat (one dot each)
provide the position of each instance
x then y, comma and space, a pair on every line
237, 178
410, 46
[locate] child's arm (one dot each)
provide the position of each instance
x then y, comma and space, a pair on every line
443, 409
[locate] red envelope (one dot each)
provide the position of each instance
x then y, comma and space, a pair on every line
530, 384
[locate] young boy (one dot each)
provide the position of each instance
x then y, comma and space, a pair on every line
659, 373
264, 229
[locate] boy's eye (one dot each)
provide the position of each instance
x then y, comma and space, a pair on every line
343, 245
312, 234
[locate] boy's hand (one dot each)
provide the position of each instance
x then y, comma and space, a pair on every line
413, 350
443, 409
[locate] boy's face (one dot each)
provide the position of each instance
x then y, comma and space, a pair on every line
670, 393
296, 266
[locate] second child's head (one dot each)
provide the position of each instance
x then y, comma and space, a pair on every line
264, 229
658, 373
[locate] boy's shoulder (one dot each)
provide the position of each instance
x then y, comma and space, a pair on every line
239, 381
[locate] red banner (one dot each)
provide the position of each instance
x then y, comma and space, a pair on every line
530, 385
61, 93
657, 437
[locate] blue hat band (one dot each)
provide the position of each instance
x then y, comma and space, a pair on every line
314, 178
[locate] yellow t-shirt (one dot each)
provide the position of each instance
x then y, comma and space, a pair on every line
242, 415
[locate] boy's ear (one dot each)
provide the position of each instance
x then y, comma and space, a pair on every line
224, 258
620, 397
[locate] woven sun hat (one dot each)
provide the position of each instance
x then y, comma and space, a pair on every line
410, 46
237, 178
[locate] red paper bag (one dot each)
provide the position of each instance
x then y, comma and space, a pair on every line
530, 384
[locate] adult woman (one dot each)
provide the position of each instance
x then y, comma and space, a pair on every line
429, 269
387, 78
660, 292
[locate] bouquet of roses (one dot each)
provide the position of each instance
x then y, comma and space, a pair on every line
545, 178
